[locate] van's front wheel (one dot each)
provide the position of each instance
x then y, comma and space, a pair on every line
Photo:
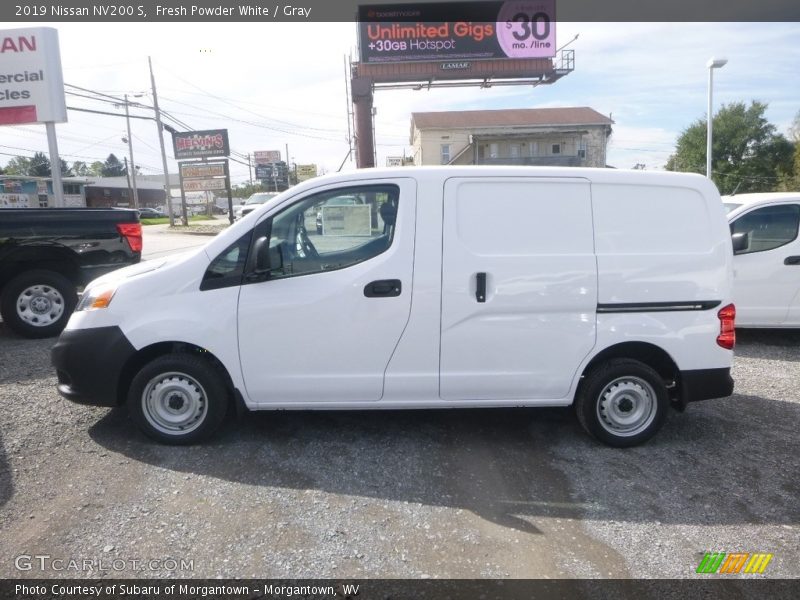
622, 402
178, 399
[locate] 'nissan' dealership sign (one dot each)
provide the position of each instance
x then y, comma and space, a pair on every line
31, 82
452, 31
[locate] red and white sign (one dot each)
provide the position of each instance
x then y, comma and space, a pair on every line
31, 81
265, 157
201, 185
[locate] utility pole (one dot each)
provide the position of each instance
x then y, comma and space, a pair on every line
250, 168
130, 151
167, 193
128, 176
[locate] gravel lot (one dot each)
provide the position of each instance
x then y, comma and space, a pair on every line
502, 493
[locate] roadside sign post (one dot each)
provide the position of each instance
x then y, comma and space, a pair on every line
203, 176
31, 63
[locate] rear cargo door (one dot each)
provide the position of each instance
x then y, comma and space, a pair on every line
519, 287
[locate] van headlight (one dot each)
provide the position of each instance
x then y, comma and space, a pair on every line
98, 296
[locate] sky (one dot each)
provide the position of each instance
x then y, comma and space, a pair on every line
278, 84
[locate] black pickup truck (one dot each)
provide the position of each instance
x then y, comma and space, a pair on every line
47, 254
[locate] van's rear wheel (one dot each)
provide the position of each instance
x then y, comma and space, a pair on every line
178, 399
622, 402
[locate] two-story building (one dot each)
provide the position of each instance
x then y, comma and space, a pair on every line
573, 136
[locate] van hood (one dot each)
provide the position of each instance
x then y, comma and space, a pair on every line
140, 268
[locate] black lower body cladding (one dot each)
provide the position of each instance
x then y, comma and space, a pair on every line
89, 363
704, 384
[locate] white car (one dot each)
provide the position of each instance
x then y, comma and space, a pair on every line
252, 203
487, 287
766, 259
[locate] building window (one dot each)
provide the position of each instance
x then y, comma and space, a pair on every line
106, 192
43, 202
124, 193
72, 188
494, 151
445, 154
534, 148
514, 150
582, 150
556, 148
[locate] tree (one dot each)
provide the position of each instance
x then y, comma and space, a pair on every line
113, 167
39, 165
19, 165
790, 182
748, 154
96, 169
80, 168
245, 190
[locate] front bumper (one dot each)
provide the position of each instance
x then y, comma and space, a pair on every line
89, 363
703, 384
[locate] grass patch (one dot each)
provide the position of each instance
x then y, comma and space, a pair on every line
165, 220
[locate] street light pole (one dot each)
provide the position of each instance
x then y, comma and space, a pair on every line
130, 151
713, 63
167, 188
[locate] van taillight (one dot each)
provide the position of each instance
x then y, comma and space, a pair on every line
133, 233
727, 333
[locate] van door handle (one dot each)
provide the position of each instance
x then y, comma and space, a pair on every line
383, 288
480, 288
792, 260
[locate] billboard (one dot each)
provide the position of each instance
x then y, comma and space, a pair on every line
201, 185
31, 82
305, 172
200, 144
189, 171
446, 31
264, 157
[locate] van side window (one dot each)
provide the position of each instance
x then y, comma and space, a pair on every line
332, 230
769, 227
227, 268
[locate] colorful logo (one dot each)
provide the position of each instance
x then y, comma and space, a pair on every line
734, 562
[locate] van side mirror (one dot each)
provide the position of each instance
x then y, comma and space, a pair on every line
741, 241
267, 259
261, 248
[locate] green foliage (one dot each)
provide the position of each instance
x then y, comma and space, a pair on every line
36, 166
748, 154
113, 167
18, 165
80, 168
790, 181
246, 190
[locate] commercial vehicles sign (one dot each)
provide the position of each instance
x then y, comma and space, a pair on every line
449, 31
31, 82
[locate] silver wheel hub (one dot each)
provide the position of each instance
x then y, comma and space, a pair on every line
174, 403
40, 305
627, 406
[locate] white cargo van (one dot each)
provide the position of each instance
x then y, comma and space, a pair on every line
476, 287
766, 262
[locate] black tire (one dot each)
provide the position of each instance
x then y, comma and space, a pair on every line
38, 303
622, 402
193, 385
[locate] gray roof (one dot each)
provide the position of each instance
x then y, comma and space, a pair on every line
519, 117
